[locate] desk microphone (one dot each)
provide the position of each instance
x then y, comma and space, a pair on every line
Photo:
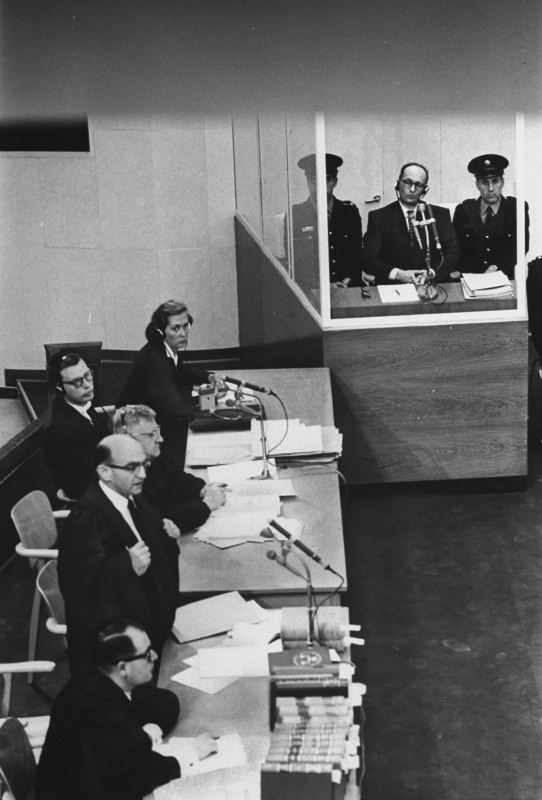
299, 544
252, 386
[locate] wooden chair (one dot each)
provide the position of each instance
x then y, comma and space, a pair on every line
47, 584
35, 522
8, 670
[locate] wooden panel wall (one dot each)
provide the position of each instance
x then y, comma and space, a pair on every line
435, 403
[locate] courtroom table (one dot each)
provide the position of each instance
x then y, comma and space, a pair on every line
206, 570
349, 303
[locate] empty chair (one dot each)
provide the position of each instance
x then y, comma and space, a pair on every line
8, 670
35, 522
47, 583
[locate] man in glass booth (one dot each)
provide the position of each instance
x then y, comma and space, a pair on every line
344, 231
405, 235
486, 226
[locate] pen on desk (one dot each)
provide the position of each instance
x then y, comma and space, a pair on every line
397, 291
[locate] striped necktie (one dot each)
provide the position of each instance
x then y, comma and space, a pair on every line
410, 215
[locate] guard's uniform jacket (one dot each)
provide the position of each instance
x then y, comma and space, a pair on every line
494, 242
344, 240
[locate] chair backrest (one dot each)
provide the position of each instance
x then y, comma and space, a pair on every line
33, 518
17, 762
47, 583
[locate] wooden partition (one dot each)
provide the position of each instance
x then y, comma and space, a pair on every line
415, 403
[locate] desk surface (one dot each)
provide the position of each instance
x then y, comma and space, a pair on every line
206, 570
349, 303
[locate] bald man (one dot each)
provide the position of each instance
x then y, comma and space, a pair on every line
114, 554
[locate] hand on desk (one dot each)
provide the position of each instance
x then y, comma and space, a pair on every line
200, 747
213, 495
141, 557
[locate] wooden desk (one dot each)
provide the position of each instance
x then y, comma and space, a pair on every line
349, 303
242, 707
207, 570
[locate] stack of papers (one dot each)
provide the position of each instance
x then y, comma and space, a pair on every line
237, 527
299, 439
215, 615
486, 284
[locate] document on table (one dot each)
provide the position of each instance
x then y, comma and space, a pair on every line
242, 471
243, 526
246, 661
237, 503
398, 293
214, 615
230, 753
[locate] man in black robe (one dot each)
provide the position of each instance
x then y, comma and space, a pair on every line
104, 723
114, 554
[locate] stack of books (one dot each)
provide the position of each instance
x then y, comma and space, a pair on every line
486, 284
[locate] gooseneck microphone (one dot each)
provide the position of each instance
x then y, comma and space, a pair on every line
300, 545
252, 386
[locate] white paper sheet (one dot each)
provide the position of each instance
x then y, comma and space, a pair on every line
213, 615
235, 473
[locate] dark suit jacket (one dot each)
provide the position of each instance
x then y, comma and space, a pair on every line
156, 382
96, 749
344, 243
97, 579
386, 244
176, 494
69, 444
495, 243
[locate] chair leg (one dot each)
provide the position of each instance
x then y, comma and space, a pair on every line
34, 629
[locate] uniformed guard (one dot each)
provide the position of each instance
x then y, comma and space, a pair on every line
344, 231
486, 227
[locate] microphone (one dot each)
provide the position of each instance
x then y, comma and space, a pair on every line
433, 227
300, 545
252, 386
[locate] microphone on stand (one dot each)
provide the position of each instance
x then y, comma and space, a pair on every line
433, 223
297, 543
252, 386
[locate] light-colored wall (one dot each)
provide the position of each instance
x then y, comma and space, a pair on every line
91, 243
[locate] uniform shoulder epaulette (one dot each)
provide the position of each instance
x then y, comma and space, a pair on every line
470, 201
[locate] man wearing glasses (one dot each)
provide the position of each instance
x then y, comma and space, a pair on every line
75, 427
114, 553
104, 725
397, 242
180, 496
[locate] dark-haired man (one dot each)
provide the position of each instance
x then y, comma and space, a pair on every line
486, 226
104, 725
397, 240
75, 427
114, 554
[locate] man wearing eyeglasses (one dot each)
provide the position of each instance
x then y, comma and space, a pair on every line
105, 723
397, 241
75, 426
180, 496
114, 553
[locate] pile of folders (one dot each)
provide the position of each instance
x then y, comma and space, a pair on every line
314, 741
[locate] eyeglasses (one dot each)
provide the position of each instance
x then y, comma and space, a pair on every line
154, 434
132, 466
77, 383
412, 184
149, 654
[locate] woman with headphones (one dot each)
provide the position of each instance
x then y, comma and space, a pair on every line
159, 378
